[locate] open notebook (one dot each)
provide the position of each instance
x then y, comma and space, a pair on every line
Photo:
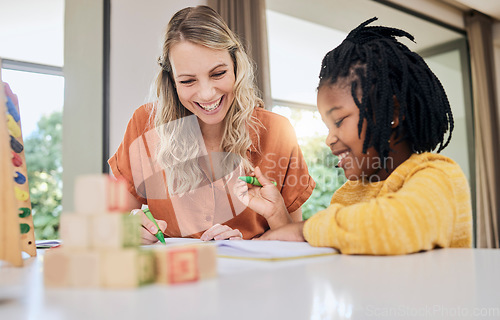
260, 249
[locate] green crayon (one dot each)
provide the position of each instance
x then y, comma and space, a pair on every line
159, 234
253, 181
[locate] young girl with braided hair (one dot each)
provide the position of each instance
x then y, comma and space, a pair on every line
386, 112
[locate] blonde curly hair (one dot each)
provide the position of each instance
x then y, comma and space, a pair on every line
176, 152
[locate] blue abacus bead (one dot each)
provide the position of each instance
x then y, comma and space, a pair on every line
20, 178
11, 108
16, 145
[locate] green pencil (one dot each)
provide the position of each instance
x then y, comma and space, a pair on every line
253, 181
159, 234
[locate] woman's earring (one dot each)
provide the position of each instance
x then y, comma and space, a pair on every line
392, 122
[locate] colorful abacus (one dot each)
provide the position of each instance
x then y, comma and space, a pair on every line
16, 222
20, 173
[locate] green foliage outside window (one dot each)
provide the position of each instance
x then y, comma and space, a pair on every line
43, 151
319, 158
321, 164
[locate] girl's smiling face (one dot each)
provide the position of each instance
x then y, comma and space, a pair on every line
204, 79
341, 115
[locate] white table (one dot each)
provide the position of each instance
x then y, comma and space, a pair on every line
440, 284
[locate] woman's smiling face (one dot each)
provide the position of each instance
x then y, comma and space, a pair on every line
204, 79
341, 115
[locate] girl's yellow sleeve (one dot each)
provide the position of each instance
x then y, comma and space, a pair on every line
432, 209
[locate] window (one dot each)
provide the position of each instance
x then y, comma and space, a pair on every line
32, 60
300, 33
296, 48
311, 135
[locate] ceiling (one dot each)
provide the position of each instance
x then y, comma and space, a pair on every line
345, 15
488, 7
44, 42
303, 31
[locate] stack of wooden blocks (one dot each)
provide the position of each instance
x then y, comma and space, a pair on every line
101, 244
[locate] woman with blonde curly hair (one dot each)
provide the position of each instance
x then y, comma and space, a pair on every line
183, 154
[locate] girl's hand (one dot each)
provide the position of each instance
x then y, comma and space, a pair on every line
266, 200
149, 229
289, 232
221, 232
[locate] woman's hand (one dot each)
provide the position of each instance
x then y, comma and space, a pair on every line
289, 232
149, 229
221, 232
266, 200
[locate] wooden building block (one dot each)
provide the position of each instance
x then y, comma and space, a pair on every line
207, 261
64, 267
185, 263
127, 268
110, 231
56, 267
85, 269
75, 230
98, 193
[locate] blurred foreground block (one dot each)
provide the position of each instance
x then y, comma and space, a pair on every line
115, 231
185, 263
74, 230
128, 268
71, 268
101, 245
96, 193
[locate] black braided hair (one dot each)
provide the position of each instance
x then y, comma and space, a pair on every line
378, 68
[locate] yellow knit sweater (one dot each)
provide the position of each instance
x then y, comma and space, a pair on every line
425, 203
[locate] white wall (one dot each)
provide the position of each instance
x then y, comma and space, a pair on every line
294, 42
32, 31
82, 114
447, 68
137, 28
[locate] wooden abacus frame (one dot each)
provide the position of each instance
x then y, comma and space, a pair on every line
16, 222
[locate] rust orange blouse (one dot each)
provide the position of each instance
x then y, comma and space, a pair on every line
275, 151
